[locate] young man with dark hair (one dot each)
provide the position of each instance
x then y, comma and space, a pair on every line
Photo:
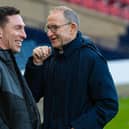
18, 109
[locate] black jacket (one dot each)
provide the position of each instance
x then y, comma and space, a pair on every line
17, 106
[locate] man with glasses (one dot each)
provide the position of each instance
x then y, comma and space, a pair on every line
73, 77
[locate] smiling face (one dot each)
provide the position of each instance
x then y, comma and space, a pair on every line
64, 31
12, 33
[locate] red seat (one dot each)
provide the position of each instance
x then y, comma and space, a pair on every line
125, 12
122, 1
127, 2
89, 3
102, 6
115, 9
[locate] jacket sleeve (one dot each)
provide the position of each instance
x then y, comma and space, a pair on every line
103, 96
33, 76
3, 125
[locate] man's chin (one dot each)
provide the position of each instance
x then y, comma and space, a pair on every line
16, 51
55, 46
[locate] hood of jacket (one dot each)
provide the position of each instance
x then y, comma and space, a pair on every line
78, 42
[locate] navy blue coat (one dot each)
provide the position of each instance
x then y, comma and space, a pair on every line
77, 87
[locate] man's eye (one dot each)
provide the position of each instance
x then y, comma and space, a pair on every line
54, 27
18, 27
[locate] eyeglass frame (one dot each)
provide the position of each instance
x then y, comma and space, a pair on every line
54, 28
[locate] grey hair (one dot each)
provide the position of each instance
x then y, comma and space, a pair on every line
69, 14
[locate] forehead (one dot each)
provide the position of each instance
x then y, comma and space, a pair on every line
15, 20
56, 16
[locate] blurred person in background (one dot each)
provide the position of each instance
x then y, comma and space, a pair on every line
73, 77
18, 109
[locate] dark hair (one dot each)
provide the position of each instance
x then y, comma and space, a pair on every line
7, 11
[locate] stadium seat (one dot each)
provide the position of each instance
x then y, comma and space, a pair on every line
115, 9
122, 1
127, 2
102, 5
125, 12
89, 4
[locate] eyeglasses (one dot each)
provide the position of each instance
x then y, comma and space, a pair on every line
54, 28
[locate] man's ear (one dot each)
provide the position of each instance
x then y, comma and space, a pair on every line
73, 28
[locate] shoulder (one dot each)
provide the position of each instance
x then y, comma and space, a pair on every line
90, 50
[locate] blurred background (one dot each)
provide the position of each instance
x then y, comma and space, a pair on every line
105, 21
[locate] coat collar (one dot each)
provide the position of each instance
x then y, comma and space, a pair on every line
5, 55
69, 48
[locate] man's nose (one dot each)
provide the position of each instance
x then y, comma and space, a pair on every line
49, 32
24, 34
